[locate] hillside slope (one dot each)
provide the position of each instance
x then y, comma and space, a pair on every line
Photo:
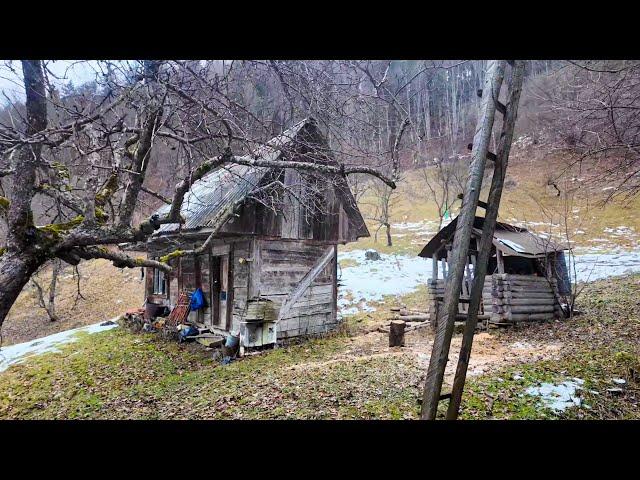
527, 201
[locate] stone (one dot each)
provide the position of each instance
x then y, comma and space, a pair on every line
372, 255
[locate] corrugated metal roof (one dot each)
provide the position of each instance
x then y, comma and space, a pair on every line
509, 239
523, 243
227, 184
224, 186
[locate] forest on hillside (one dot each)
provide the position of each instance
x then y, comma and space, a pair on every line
391, 115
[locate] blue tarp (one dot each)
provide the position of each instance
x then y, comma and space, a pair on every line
197, 300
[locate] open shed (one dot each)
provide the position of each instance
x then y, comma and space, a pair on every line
271, 270
526, 276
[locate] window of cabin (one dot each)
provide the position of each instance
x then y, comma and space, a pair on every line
159, 282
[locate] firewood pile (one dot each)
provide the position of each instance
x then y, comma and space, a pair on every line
413, 319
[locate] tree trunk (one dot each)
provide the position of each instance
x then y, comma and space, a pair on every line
16, 269
389, 242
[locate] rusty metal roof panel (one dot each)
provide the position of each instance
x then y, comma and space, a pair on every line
511, 240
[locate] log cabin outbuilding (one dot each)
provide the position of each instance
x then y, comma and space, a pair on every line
526, 278
271, 270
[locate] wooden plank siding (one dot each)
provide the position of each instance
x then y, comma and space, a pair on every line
283, 264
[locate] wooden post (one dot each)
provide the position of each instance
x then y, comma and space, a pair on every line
491, 215
434, 268
464, 227
396, 333
499, 258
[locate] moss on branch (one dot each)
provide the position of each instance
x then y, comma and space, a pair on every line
170, 256
4, 203
107, 190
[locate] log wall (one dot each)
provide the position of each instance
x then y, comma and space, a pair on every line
520, 298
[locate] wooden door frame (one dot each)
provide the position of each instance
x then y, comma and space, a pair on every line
230, 269
214, 273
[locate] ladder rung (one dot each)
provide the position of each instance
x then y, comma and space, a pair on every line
444, 396
481, 204
490, 155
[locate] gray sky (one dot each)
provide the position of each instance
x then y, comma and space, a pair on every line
78, 72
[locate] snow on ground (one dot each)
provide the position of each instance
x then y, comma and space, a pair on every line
590, 267
19, 352
558, 397
371, 280
425, 228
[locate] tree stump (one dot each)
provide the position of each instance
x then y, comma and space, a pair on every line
396, 333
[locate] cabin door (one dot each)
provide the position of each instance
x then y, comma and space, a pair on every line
219, 290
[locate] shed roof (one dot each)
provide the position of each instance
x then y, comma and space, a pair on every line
230, 183
509, 239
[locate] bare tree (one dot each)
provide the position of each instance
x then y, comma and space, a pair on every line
49, 303
91, 158
444, 180
597, 118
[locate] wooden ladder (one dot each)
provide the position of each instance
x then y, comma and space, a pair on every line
470, 202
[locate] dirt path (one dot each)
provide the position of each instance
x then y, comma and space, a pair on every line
491, 351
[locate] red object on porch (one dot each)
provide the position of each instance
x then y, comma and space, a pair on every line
179, 314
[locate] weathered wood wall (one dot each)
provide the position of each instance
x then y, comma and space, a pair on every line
263, 269
281, 266
309, 211
507, 298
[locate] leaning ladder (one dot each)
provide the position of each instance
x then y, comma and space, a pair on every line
480, 153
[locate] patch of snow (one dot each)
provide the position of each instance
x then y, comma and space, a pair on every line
558, 397
18, 353
424, 228
370, 281
590, 266
619, 381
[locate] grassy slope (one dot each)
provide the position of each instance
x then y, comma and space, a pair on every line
107, 292
118, 374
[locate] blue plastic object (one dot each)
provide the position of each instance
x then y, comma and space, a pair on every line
197, 300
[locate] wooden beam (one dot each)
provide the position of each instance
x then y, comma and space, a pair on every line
499, 257
484, 250
306, 281
464, 228
434, 267
255, 268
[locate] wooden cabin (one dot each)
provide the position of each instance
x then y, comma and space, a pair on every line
271, 271
526, 276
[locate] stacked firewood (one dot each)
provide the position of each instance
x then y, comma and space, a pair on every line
403, 320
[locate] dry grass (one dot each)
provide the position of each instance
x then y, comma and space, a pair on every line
107, 291
118, 374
